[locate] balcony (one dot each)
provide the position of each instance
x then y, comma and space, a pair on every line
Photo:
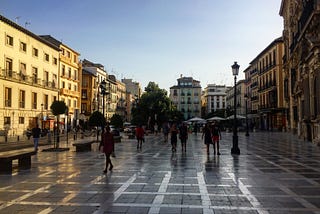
67, 92
26, 79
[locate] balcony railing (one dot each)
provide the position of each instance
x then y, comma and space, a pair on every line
26, 79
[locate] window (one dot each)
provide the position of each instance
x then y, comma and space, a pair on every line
21, 120
54, 80
35, 52
75, 58
63, 70
46, 57
22, 99
45, 101
75, 74
23, 47
69, 86
69, 72
68, 54
75, 88
34, 100
7, 121
69, 102
84, 94
23, 68
46, 78
8, 67
55, 61
9, 40
75, 103
35, 74
7, 97
63, 84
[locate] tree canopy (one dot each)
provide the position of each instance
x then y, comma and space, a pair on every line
97, 119
58, 107
154, 106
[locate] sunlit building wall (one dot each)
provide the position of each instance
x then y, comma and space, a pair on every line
28, 79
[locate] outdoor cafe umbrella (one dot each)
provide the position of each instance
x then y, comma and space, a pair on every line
196, 119
237, 116
215, 118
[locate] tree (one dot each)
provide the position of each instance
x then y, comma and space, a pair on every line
97, 119
116, 120
57, 108
154, 106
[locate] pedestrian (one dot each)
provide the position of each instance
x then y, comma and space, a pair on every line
139, 136
206, 134
166, 129
183, 136
107, 144
174, 138
36, 132
216, 136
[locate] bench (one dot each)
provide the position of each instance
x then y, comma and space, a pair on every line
23, 156
83, 146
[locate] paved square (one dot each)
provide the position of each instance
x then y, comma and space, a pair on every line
275, 173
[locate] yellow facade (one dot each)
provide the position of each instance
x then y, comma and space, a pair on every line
267, 89
28, 78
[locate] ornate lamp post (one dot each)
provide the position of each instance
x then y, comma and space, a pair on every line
235, 149
247, 127
103, 87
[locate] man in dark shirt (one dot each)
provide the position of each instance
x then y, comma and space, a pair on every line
36, 131
216, 136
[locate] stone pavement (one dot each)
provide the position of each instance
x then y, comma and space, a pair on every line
275, 173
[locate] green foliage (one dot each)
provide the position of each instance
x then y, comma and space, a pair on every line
116, 120
58, 107
97, 119
154, 106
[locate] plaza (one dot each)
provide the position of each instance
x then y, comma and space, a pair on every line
275, 173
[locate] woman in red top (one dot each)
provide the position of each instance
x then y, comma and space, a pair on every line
140, 136
108, 144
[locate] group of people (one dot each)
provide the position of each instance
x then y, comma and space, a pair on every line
212, 135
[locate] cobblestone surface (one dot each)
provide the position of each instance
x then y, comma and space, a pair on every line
275, 173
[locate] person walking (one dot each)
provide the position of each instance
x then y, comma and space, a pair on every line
174, 137
183, 135
36, 132
108, 144
165, 129
216, 136
206, 134
140, 136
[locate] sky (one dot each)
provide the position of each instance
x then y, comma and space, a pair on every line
157, 40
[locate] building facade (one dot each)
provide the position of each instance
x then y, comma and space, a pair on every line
214, 98
186, 96
266, 92
240, 98
28, 79
69, 81
301, 35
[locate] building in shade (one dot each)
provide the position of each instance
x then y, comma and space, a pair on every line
301, 61
186, 96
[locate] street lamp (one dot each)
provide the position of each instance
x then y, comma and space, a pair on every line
247, 128
235, 149
103, 87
